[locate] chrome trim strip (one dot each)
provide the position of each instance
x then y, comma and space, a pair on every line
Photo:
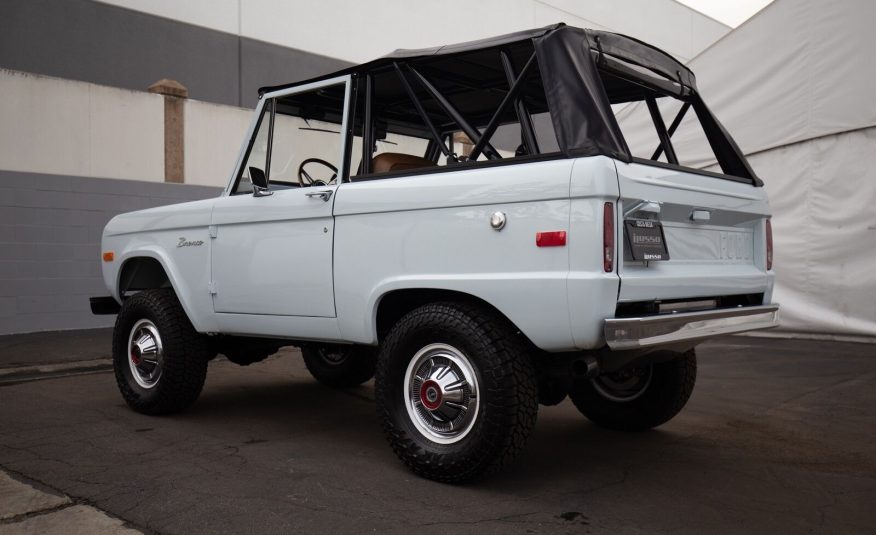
633, 333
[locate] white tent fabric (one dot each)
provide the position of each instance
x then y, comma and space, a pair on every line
795, 87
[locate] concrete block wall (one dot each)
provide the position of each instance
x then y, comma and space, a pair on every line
50, 230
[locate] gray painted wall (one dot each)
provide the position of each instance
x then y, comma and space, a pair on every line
95, 42
50, 230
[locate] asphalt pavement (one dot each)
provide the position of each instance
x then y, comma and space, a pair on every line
778, 437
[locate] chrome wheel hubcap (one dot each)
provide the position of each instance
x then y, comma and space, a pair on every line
441, 393
334, 356
625, 385
145, 354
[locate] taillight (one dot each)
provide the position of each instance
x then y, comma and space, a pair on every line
608, 237
769, 244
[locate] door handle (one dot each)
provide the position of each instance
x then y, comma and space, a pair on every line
325, 195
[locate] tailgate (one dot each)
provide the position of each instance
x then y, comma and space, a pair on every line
714, 230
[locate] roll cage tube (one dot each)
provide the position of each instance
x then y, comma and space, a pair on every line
665, 143
480, 139
367, 131
450, 110
422, 111
497, 116
526, 128
672, 128
270, 140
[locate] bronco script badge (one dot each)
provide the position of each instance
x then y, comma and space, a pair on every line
184, 243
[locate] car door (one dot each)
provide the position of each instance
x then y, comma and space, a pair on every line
272, 250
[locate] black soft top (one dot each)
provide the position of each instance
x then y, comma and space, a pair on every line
570, 61
611, 44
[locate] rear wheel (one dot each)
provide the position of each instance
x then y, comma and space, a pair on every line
456, 391
638, 398
340, 366
160, 361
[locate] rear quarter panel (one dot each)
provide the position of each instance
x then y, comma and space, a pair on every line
433, 231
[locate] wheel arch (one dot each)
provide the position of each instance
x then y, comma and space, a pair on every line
146, 269
142, 273
396, 303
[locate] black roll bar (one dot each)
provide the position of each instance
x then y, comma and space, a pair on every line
421, 110
661, 130
367, 129
270, 140
526, 128
510, 96
672, 128
448, 108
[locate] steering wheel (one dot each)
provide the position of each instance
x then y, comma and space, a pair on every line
304, 178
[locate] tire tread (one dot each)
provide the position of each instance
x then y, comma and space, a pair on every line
186, 353
513, 409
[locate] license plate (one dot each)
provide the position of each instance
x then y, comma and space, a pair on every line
645, 240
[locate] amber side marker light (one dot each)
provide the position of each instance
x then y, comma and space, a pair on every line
769, 244
109, 256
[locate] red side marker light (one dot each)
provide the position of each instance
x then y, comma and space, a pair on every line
608, 238
556, 238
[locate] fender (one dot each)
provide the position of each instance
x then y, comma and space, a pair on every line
192, 292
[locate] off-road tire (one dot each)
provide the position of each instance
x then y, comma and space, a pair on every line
356, 366
667, 393
186, 352
507, 388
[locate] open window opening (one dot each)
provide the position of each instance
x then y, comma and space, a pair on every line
449, 111
297, 141
665, 122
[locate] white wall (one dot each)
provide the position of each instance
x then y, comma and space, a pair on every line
361, 31
56, 126
213, 137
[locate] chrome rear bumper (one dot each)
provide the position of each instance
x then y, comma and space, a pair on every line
666, 329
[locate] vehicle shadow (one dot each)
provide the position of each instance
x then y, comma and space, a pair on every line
564, 444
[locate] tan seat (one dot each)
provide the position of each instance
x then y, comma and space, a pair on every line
396, 161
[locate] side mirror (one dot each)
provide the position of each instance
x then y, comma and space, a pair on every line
259, 182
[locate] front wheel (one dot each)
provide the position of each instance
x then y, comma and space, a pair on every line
456, 391
160, 361
638, 398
